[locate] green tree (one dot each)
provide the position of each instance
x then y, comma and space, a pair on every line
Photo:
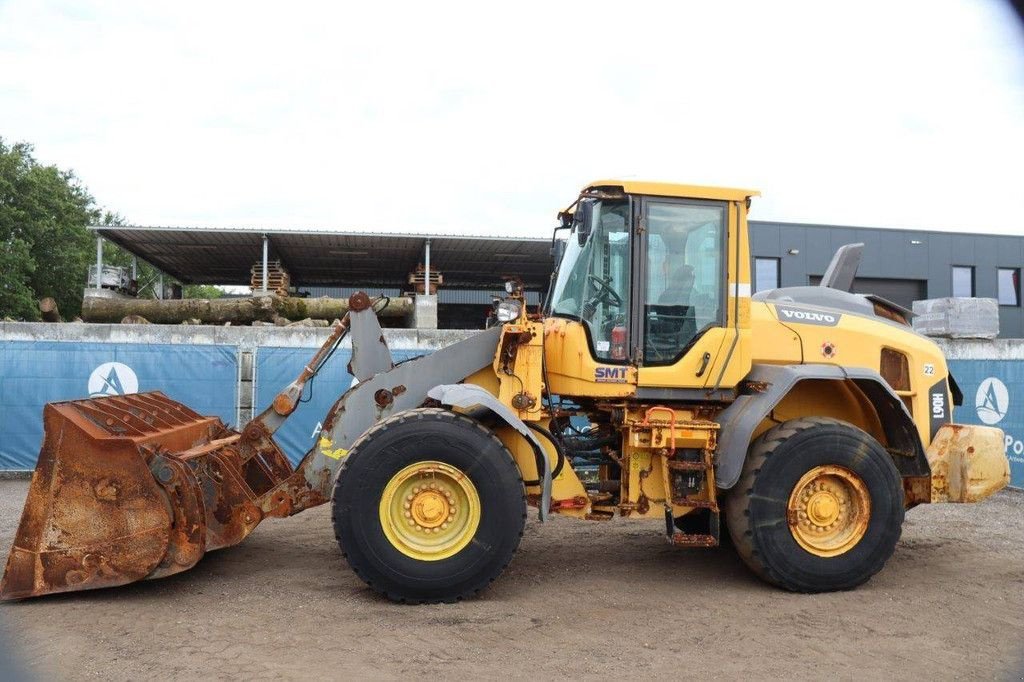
16, 266
201, 291
44, 212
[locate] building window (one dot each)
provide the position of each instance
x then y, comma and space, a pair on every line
963, 281
1009, 286
766, 274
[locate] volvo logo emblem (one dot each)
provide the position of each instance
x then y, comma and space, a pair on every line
787, 314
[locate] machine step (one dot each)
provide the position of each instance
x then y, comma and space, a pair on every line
692, 502
680, 539
681, 465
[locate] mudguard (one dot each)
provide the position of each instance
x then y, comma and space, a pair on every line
472, 398
741, 418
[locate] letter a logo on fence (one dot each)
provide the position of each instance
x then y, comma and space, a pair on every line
992, 401
112, 378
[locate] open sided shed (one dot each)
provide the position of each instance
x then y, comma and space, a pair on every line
320, 258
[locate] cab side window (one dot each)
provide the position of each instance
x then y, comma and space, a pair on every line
683, 293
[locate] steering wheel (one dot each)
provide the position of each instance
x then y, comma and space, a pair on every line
605, 293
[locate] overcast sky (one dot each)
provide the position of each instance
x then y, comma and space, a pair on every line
487, 118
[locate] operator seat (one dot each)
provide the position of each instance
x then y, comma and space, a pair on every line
670, 322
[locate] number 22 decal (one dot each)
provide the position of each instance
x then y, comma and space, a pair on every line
929, 370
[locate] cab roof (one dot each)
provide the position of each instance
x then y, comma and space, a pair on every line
667, 189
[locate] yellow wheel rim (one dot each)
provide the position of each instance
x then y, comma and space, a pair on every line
828, 510
429, 511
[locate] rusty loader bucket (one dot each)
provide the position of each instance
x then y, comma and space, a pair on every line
138, 486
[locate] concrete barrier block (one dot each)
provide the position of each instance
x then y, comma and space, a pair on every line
957, 318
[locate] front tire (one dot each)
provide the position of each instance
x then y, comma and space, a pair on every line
429, 506
818, 508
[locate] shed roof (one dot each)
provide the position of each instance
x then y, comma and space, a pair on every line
331, 258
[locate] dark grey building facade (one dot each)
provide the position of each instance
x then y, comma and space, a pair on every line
900, 265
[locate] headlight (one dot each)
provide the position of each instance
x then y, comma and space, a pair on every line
508, 311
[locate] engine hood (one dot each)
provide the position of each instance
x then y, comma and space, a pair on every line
866, 305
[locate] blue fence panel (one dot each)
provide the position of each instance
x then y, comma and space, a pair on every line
33, 373
994, 396
276, 367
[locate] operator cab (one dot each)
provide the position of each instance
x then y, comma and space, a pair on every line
644, 274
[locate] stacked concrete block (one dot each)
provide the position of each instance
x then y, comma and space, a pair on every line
957, 318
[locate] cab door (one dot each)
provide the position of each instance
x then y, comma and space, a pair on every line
684, 325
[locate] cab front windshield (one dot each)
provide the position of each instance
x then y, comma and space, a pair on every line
592, 285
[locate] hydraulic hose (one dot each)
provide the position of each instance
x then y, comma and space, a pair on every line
559, 453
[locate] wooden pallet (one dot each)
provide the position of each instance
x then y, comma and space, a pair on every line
418, 280
278, 281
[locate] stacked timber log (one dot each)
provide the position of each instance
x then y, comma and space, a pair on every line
278, 281
233, 311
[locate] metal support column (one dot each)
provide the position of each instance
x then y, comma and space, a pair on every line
264, 287
425, 306
135, 267
99, 262
426, 268
160, 287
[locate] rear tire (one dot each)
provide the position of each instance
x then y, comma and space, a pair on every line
459, 468
807, 472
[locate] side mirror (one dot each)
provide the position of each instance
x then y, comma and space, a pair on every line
584, 220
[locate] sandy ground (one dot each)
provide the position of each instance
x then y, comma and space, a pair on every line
579, 600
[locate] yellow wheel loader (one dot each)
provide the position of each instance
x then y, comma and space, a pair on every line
802, 422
